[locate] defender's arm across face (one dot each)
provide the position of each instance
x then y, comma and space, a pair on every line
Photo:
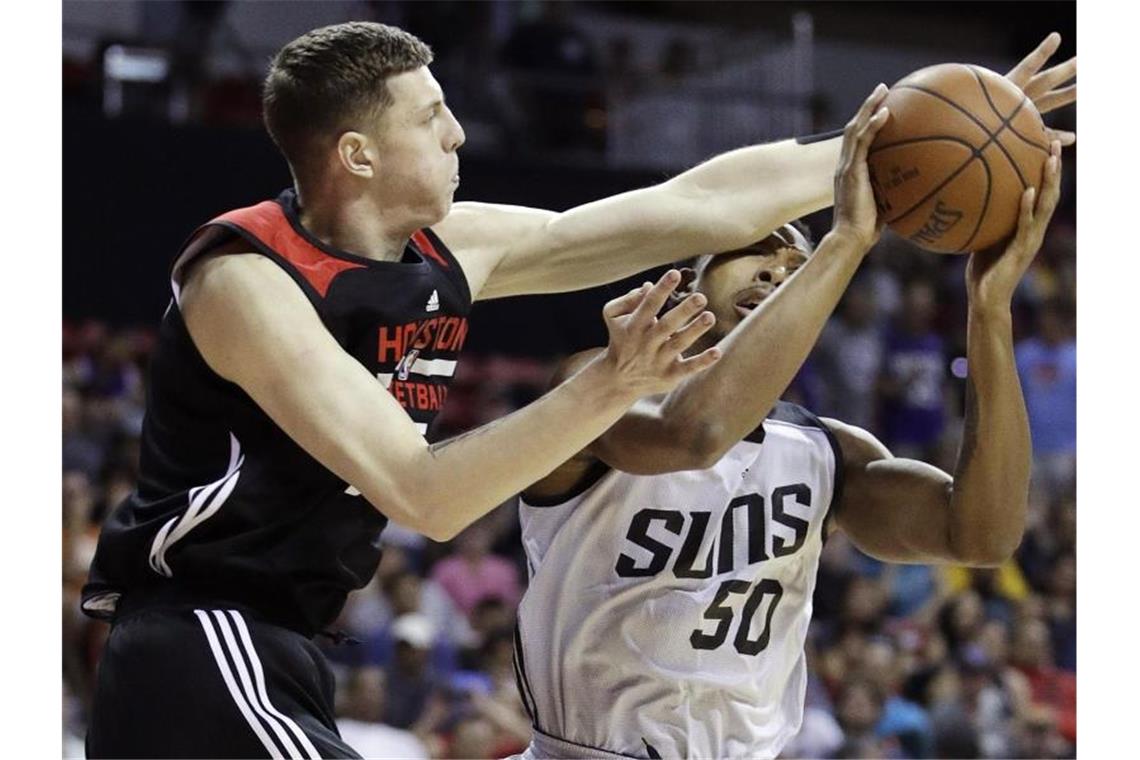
723, 204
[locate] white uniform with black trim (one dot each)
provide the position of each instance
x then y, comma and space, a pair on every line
666, 614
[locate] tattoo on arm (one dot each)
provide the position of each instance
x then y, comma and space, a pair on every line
969, 430
435, 448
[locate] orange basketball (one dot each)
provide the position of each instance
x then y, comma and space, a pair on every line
949, 166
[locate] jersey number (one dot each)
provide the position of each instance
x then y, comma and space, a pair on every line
766, 590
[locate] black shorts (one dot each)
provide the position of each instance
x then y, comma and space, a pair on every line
196, 682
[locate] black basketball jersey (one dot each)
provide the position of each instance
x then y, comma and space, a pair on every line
229, 509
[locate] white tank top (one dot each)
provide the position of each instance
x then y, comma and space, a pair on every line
666, 614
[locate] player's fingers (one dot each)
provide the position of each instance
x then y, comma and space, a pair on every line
625, 304
1062, 136
1051, 78
680, 314
1032, 63
1051, 187
655, 298
694, 364
869, 106
688, 334
1056, 99
867, 134
860, 119
1025, 212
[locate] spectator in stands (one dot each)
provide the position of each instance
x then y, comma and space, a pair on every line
1050, 687
473, 573
859, 709
412, 680
1061, 607
360, 717
912, 386
1047, 364
903, 720
847, 359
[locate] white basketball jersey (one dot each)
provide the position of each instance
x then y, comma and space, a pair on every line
666, 614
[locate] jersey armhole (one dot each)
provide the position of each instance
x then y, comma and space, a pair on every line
214, 235
837, 487
201, 242
597, 470
452, 268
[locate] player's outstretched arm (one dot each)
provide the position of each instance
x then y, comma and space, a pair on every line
908, 511
726, 203
255, 328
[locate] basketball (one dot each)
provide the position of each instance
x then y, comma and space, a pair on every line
950, 165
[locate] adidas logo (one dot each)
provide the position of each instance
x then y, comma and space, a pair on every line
433, 301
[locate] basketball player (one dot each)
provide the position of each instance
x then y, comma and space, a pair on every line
308, 347
672, 562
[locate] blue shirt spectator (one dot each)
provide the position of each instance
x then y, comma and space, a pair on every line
1047, 364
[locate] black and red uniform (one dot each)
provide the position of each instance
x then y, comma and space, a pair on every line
238, 547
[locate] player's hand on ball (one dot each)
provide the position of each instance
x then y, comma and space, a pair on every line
992, 275
1047, 88
645, 352
855, 213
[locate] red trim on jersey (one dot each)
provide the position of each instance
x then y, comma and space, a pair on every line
423, 242
267, 222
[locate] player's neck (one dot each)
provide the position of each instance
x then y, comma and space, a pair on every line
354, 225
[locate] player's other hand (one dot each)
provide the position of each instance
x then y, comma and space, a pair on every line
1047, 88
855, 214
646, 353
992, 275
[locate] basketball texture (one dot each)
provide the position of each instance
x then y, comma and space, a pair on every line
949, 166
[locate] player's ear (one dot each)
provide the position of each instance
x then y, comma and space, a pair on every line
357, 154
685, 287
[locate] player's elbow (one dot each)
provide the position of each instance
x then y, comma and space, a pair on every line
989, 551
415, 508
706, 443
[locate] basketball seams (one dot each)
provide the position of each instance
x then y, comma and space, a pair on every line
949, 102
1006, 123
985, 206
993, 136
989, 99
930, 138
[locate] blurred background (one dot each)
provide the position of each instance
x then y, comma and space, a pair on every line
562, 103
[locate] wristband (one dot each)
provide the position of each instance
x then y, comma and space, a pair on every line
806, 139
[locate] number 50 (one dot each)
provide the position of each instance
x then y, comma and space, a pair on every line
718, 611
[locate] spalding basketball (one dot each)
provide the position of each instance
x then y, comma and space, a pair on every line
950, 165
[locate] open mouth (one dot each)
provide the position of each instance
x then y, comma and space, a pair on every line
747, 304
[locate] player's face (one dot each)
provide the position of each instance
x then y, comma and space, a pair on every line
418, 141
737, 282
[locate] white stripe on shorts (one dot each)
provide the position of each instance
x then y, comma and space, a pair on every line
259, 678
235, 691
258, 705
